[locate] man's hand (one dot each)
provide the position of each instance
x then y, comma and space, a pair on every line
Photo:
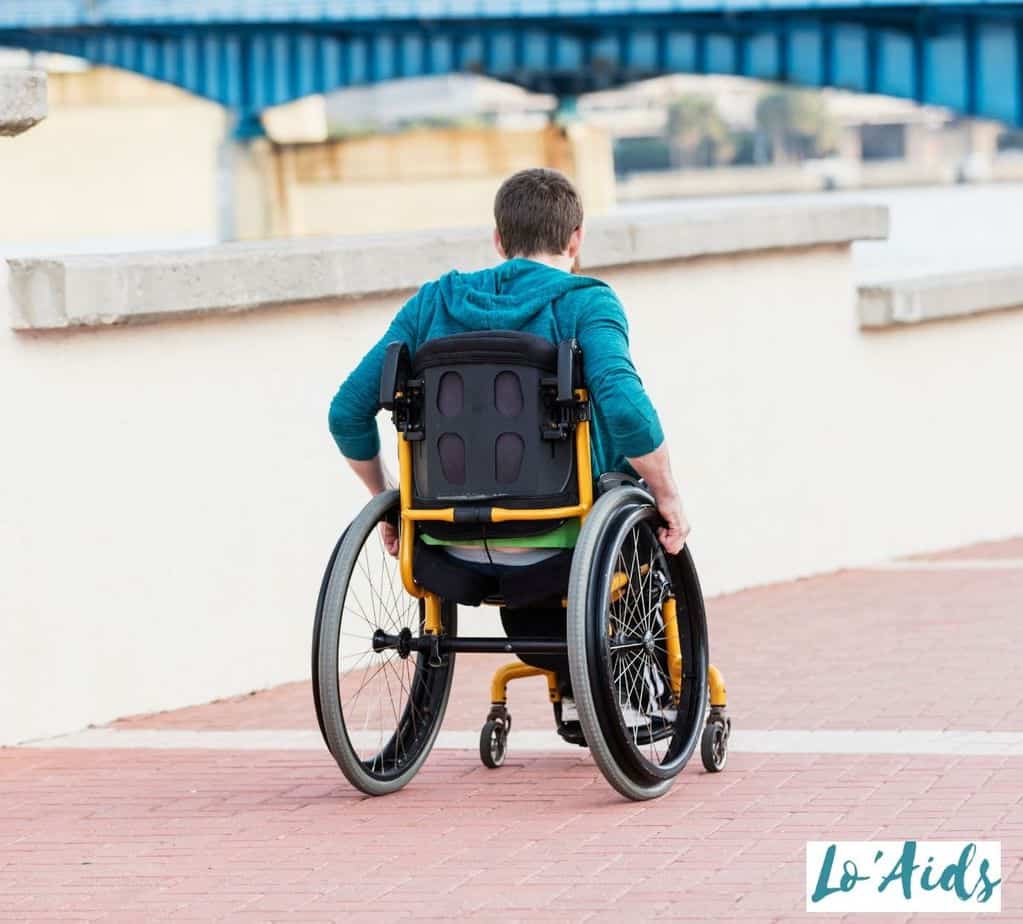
655, 469
374, 475
389, 536
676, 527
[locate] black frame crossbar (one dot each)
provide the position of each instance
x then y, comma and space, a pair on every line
404, 643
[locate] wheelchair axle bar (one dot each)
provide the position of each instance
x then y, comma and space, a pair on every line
405, 644
502, 645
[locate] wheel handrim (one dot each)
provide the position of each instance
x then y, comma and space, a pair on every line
653, 733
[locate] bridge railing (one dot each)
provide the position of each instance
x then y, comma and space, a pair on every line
249, 56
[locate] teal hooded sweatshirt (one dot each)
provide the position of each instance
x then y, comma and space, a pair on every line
525, 296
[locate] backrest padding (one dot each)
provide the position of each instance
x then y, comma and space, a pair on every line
483, 417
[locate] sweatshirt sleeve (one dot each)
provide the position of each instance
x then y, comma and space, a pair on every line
353, 411
612, 380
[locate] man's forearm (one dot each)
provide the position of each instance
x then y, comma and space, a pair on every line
372, 473
655, 469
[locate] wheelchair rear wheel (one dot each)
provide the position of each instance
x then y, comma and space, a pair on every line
379, 710
640, 734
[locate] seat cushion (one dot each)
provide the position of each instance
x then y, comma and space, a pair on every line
561, 537
471, 583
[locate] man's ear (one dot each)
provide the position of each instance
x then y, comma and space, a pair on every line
498, 246
575, 242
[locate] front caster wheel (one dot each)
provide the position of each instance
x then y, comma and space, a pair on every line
493, 743
714, 745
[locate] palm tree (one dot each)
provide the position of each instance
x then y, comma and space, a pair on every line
698, 133
797, 123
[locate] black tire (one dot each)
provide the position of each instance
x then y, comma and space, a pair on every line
404, 697
493, 743
316, 637
639, 739
714, 747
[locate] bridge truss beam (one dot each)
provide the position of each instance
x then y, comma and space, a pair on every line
969, 59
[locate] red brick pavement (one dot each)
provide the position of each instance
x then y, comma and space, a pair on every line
1008, 548
188, 835
145, 835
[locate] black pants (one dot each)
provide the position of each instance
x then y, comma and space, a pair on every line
533, 594
545, 622
471, 582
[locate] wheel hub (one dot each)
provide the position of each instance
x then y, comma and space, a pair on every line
404, 646
400, 643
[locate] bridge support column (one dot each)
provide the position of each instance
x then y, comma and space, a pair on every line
255, 190
592, 166
587, 156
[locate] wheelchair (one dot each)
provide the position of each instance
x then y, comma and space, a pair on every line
494, 451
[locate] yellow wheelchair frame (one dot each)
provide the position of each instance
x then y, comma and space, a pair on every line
410, 515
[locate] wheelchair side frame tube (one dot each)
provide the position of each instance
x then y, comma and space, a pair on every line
410, 516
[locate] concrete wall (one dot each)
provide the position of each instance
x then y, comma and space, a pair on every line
940, 297
170, 492
819, 176
721, 181
804, 446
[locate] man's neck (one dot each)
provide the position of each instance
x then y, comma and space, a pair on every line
561, 261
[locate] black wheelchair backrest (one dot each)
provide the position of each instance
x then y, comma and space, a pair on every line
490, 417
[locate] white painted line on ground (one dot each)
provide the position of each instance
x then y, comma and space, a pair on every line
282, 740
175, 739
748, 741
950, 564
946, 743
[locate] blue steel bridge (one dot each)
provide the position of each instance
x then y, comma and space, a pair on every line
252, 54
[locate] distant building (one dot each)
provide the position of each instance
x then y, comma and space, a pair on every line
457, 99
869, 127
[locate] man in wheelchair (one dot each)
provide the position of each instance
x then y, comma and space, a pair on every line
516, 400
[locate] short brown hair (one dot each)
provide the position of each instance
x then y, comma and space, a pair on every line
536, 212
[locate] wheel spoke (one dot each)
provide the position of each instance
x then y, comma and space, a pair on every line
634, 656
390, 704
397, 737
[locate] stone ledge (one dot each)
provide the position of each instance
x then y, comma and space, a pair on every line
82, 291
934, 298
22, 100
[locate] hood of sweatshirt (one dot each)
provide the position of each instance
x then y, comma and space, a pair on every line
507, 296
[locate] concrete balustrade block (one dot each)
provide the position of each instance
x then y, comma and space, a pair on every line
86, 291
22, 100
675, 234
98, 290
932, 298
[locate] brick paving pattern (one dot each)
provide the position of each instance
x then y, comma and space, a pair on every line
141, 835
